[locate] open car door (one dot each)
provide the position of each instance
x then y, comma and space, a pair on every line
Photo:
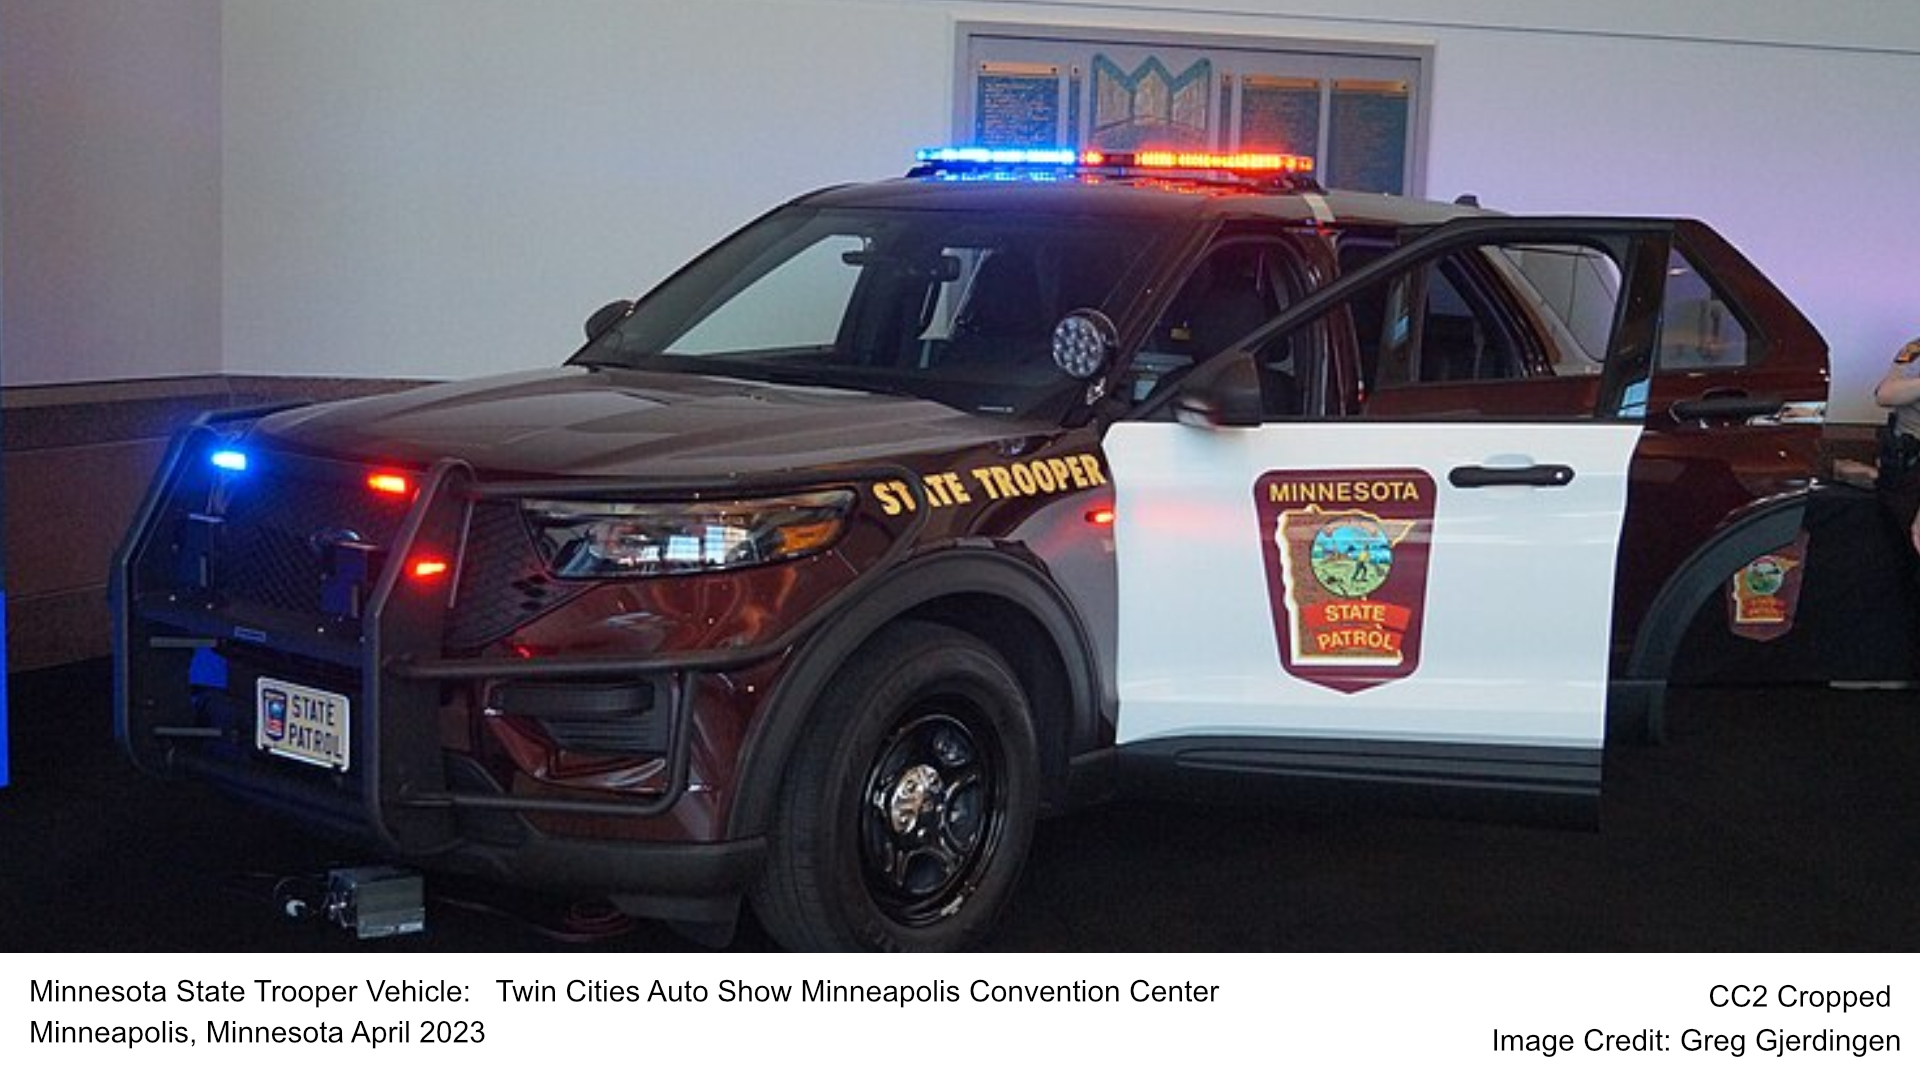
1419, 603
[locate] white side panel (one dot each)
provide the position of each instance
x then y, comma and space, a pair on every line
1518, 600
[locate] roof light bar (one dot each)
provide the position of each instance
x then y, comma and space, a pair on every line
1243, 161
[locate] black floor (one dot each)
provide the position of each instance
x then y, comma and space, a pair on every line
1772, 820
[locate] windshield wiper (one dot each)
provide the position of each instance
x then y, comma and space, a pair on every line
831, 379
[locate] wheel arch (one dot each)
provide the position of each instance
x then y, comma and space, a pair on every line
1763, 527
1003, 600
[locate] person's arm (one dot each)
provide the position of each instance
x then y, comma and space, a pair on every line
1901, 386
1897, 389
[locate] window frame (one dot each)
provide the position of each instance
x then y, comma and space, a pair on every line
1070, 51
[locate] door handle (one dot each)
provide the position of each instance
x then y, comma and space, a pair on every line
1725, 407
1477, 476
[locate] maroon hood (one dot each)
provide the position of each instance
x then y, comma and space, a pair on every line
580, 422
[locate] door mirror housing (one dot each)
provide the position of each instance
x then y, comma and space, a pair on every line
602, 321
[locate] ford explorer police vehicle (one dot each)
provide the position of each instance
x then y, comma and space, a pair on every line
917, 509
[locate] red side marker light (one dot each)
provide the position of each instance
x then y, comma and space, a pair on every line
389, 483
1102, 516
427, 569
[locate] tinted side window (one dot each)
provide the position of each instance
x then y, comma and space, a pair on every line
1490, 313
1444, 325
1498, 313
1501, 327
1698, 329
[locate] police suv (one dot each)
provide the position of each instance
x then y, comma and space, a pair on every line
917, 509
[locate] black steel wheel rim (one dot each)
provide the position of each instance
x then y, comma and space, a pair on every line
933, 808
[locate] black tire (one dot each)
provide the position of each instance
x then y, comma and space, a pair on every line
909, 805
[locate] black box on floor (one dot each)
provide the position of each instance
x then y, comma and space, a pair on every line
376, 901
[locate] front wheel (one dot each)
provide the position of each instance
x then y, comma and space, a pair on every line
909, 806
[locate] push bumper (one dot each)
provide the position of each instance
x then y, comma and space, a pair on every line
403, 790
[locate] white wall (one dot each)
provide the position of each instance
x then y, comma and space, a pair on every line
109, 189
447, 187
443, 187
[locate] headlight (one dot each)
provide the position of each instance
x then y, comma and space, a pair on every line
612, 539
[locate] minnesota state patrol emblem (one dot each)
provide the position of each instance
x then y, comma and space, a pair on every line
1764, 594
1346, 558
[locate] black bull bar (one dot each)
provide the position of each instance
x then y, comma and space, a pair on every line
401, 797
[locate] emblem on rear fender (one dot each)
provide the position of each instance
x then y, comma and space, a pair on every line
1346, 560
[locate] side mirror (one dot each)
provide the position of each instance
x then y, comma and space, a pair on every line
1223, 394
602, 321
1084, 342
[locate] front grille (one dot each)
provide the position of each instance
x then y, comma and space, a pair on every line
285, 523
278, 525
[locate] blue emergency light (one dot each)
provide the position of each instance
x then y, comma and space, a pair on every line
230, 460
983, 155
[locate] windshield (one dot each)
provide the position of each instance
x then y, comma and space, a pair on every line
954, 306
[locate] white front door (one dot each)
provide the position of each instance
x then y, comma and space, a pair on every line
1391, 583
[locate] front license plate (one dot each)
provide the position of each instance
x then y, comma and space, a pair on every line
301, 723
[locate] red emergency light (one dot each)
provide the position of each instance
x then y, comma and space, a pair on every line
426, 569
388, 483
1238, 162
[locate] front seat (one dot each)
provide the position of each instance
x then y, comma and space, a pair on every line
1003, 319
1229, 310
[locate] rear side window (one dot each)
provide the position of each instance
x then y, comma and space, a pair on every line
1698, 328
